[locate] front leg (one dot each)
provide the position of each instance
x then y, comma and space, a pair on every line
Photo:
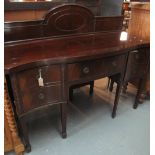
118, 91
63, 114
139, 92
91, 90
25, 136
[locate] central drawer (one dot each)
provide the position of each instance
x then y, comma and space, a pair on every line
100, 67
32, 95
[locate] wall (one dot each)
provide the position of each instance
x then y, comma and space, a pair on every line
111, 7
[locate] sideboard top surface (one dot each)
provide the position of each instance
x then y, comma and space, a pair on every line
67, 49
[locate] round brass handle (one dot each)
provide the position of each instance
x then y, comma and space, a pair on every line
134, 72
41, 96
86, 70
114, 63
137, 56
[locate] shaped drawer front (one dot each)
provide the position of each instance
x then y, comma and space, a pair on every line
34, 95
50, 74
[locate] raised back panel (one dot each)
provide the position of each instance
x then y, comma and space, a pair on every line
109, 23
59, 21
14, 31
68, 19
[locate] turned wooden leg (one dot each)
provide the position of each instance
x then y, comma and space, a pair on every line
118, 90
91, 90
63, 114
147, 95
139, 92
9, 114
25, 136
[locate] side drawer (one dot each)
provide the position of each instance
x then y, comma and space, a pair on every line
32, 95
50, 74
36, 97
109, 66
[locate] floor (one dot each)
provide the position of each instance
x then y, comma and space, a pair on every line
90, 128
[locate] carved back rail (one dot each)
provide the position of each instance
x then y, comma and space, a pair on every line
62, 20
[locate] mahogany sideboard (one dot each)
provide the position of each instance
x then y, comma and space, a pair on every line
43, 59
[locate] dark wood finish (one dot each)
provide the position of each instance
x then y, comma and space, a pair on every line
24, 15
68, 20
76, 53
109, 23
60, 21
141, 17
28, 86
137, 61
137, 69
137, 64
89, 69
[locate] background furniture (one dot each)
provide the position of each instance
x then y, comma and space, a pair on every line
140, 16
11, 138
139, 27
126, 12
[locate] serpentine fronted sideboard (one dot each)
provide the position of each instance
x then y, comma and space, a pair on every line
41, 69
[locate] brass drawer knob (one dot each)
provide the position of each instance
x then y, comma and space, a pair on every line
134, 72
114, 63
41, 96
86, 70
137, 56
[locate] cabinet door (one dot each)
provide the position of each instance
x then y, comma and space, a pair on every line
137, 64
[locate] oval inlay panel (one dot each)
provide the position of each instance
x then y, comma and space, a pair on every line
69, 22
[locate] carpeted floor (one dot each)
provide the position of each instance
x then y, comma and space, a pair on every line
90, 128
